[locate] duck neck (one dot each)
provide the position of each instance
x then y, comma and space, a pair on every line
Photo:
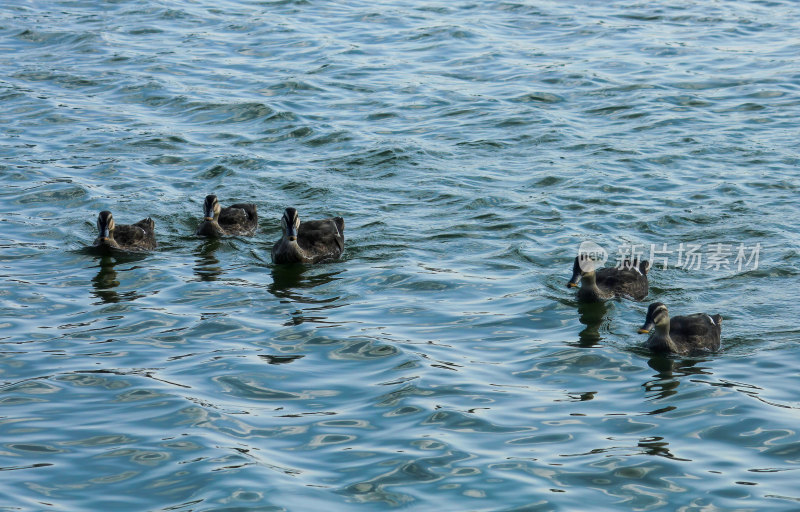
107, 241
210, 228
589, 289
662, 341
291, 252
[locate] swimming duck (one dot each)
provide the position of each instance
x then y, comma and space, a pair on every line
310, 242
609, 282
127, 237
236, 219
681, 334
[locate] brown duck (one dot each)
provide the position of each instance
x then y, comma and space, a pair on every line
308, 242
127, 237
681, 334
629, 280
238, 219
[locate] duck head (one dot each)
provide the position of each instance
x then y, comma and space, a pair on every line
105, 225
657, 316
290, 223
582, 268
211, 207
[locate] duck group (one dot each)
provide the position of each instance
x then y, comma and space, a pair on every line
317, 241
313, 241
699, 332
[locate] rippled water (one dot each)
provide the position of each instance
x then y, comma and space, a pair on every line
470, 147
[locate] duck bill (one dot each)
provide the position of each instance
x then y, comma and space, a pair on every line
576, 278
646, 328
208, 218
291, 234
104, 234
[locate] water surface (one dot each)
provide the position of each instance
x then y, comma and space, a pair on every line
470, 147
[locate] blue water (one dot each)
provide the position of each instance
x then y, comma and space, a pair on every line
442, 363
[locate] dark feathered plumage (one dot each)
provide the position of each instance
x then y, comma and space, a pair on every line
237, 219
630, 280
308, 242
681, 334
128, 237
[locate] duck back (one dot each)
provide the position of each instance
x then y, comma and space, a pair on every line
630, 280
239, 219
322, 239
696, 332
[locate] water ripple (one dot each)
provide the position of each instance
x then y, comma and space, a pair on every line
471, 148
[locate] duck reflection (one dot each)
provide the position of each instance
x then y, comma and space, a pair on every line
656, 445
289, 280
279, 359
207, 267
578, 396
592, 316
106, 281
668, 374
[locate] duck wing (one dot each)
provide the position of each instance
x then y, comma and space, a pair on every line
136, 236
697, 332
239, 219
322, 239
623, 281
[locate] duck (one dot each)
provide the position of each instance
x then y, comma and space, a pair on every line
681, 334
127, 237
630, 279
312, 241
236, 219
